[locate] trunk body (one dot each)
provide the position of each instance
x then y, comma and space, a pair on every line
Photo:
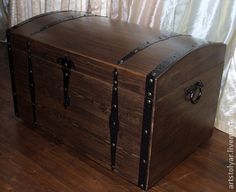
130, 98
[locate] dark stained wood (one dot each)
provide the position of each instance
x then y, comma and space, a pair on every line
179, 126
29, 162
74, 126
94, 45
117, 39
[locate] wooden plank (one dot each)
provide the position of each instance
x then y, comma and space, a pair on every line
89, 99
73, 125
24, 175
76, 174
195, 63
211, 158
188, 125
104, 40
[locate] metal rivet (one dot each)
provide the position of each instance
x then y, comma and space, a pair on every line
115, 82
151, 80
149, 94
146, 131
121, 61
66, 74
114, 123
144, 161
114, 106
115, 89
141, 185
149, 101
31, 71
66, 64
113, 144
153, 74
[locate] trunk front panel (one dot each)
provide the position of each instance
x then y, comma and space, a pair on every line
84, 124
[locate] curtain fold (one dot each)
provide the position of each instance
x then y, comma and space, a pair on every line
3, 19
23, 9
214, 20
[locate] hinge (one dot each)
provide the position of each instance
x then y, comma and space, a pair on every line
66, 66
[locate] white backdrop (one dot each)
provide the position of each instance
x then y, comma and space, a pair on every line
214, 20
3, 19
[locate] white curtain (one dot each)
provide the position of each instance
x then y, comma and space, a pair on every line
3, 19
22, 9
214, 20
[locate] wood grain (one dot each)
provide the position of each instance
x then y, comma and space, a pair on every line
94, 45
29, 162
102, 39
179, 126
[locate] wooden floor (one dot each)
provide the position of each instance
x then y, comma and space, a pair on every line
29, 162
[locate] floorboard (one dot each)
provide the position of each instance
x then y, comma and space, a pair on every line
30, 162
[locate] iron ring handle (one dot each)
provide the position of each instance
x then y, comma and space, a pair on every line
194, 92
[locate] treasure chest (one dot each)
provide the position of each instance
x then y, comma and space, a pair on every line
135, 100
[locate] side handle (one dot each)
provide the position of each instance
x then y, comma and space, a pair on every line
194, 92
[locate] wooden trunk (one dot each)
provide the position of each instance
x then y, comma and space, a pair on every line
131, 98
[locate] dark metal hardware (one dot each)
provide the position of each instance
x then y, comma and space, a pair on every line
146, 45
148, 110
12, 72
146, 131
36, 17
73, 17
66, 66
194, 92
170, 61
114, 119
31, 84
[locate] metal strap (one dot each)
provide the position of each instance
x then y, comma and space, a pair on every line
146, 45
114, 121
170, 61
31, 84
147, 118
81, 14
146, 131
148, 110
36, 17
66, 66
12, 72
